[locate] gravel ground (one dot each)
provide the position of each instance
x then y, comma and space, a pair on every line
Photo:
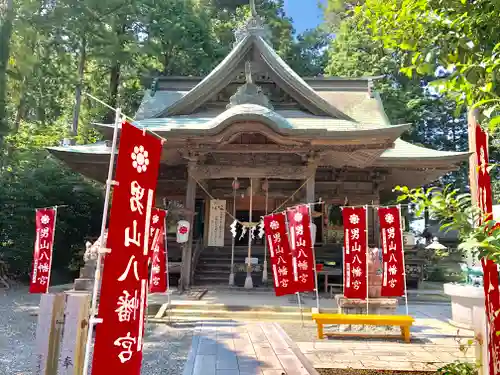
309, 332
165, 351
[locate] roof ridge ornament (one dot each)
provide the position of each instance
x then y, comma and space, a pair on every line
254, 25
249, 92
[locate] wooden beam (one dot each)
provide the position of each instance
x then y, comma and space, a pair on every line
255, 148
201, 172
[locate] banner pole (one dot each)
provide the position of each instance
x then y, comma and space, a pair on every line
300, 308
264, 272
314, 258
233, 239
404, 264
97, 274
52, 251
367, 283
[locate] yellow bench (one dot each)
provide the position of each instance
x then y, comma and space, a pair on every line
403, 321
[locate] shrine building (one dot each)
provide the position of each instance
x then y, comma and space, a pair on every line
297, 139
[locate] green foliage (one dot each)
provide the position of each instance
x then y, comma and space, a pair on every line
456, 212
31, 179
458, 39
436, 121
458, 368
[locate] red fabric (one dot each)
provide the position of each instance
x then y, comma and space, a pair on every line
123, 297
299, 223
490, 278
45, 224
319, 267
355, 249
393, 283
280, 254
158, 282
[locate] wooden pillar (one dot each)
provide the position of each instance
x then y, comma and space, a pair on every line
187, 253
472, 120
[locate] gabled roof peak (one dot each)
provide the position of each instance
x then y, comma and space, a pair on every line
255, 25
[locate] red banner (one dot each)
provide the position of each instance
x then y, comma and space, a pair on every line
280, 254
391, 234
45, 224
119, 337
490, 270
158, 282
299, 227
355, 249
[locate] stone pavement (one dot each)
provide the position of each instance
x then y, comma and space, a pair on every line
434, 343
237, 348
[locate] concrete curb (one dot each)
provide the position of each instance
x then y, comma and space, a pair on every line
295, 349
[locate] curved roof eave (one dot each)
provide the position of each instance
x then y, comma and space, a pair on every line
278, 123
222, 75
407, 154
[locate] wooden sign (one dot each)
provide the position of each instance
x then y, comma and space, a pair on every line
72, 352
48, 334
216, 224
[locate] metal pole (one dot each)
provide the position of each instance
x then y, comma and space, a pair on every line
52, 253
248, 280
264, 272
314, 257
97, 275
233, 240
404, 266
300, 308
367, 283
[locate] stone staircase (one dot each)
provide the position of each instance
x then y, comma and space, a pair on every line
214, 264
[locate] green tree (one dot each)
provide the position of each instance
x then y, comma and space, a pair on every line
355, 53
460, 37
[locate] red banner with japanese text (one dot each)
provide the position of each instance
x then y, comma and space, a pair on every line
299, 227
124, 288
355, 249
280, 254
393, 278
490, 270
45, 224
158, 281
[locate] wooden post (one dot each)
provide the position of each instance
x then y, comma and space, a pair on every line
76, 316
187, 253
472, 120
480, 327
48, 334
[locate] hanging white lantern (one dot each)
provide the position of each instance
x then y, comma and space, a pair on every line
183, 227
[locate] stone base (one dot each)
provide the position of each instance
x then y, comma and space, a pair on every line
376, 306
83, 284
467, 304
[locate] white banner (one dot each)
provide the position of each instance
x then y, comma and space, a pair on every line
216, 223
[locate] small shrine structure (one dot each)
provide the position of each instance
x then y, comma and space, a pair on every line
298, 139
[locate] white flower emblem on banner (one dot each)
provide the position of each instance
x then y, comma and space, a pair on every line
354, 219
298, 217
155, 219
45, 219
140, 159
389, 218
274, 225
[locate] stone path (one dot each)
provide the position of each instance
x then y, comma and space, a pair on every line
434, 343
237, 348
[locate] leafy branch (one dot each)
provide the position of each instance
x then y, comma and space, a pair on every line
478, 233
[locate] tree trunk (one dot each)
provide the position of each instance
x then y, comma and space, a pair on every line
79, 86
20, 110
114, 79
6, 18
